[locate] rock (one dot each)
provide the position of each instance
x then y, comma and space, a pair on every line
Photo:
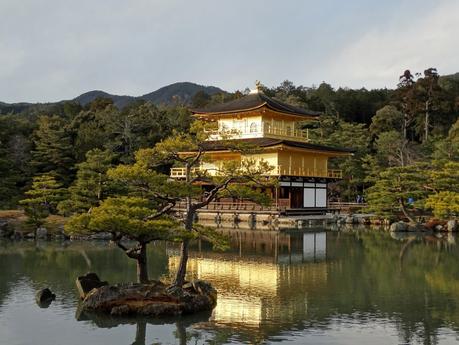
42, 233
16, 235
439, 227
5, 229
399, 227
201, 287
416, 228
29, 235
105, 236
350, 220
44, 296
452, 225
61, 236
153, 299
88, 282
431, 224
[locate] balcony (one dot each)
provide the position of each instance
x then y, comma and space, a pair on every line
277, 171
266, 131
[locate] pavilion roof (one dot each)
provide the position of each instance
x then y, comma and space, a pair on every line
222, 145
254, 101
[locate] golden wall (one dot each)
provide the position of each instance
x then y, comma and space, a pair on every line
294, 162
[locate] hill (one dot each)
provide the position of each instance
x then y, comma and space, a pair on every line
178, 93
181, 92
119, 101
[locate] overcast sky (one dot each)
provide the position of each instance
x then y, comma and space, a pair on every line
57, 49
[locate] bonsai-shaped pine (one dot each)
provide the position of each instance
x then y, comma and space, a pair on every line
188, 150
42, 199
131, 218
398, 189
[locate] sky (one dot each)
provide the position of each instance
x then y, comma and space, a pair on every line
57, 49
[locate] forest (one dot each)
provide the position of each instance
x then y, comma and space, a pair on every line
405, 142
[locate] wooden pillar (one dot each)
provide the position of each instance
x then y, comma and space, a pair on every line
276, 195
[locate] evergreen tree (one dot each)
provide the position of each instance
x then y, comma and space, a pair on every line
42, 198
234, 178
91, 184
447, 149
444, 184
14, 158
396, 190
53, 151
386, 119
444, 204
89, 127
392, 150
334, 132
133, 218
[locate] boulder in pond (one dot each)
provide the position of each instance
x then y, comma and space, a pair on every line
88, 282
152, 299
399, 227
42, 233
44, 297
439, 227
452, 225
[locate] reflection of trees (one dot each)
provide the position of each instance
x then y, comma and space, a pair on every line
56, 265
399, 290
412, 282
182, 325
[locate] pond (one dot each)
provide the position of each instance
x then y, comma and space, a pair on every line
320, 287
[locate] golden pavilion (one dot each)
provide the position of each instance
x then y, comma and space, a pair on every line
276, 129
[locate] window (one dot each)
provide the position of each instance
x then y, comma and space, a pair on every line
253, 127
289, 130
267, 127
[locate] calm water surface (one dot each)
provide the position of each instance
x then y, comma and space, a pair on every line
347, 287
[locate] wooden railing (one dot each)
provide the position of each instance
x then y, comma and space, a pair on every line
235, 206
277, 171
265, 131
346, 206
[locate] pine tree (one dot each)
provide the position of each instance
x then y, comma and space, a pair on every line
444, 182
133, 218
91, 184
233, 177
42, 198
53, 151
444, 204
396, 189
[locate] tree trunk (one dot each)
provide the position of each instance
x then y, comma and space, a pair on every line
142, 269
140, 333
181, 333
426, 124
190, 213
405, 212
181, 271
405, 126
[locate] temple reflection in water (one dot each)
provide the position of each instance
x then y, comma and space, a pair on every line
253, 277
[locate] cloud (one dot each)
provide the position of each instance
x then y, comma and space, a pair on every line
379, 56
57, 49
